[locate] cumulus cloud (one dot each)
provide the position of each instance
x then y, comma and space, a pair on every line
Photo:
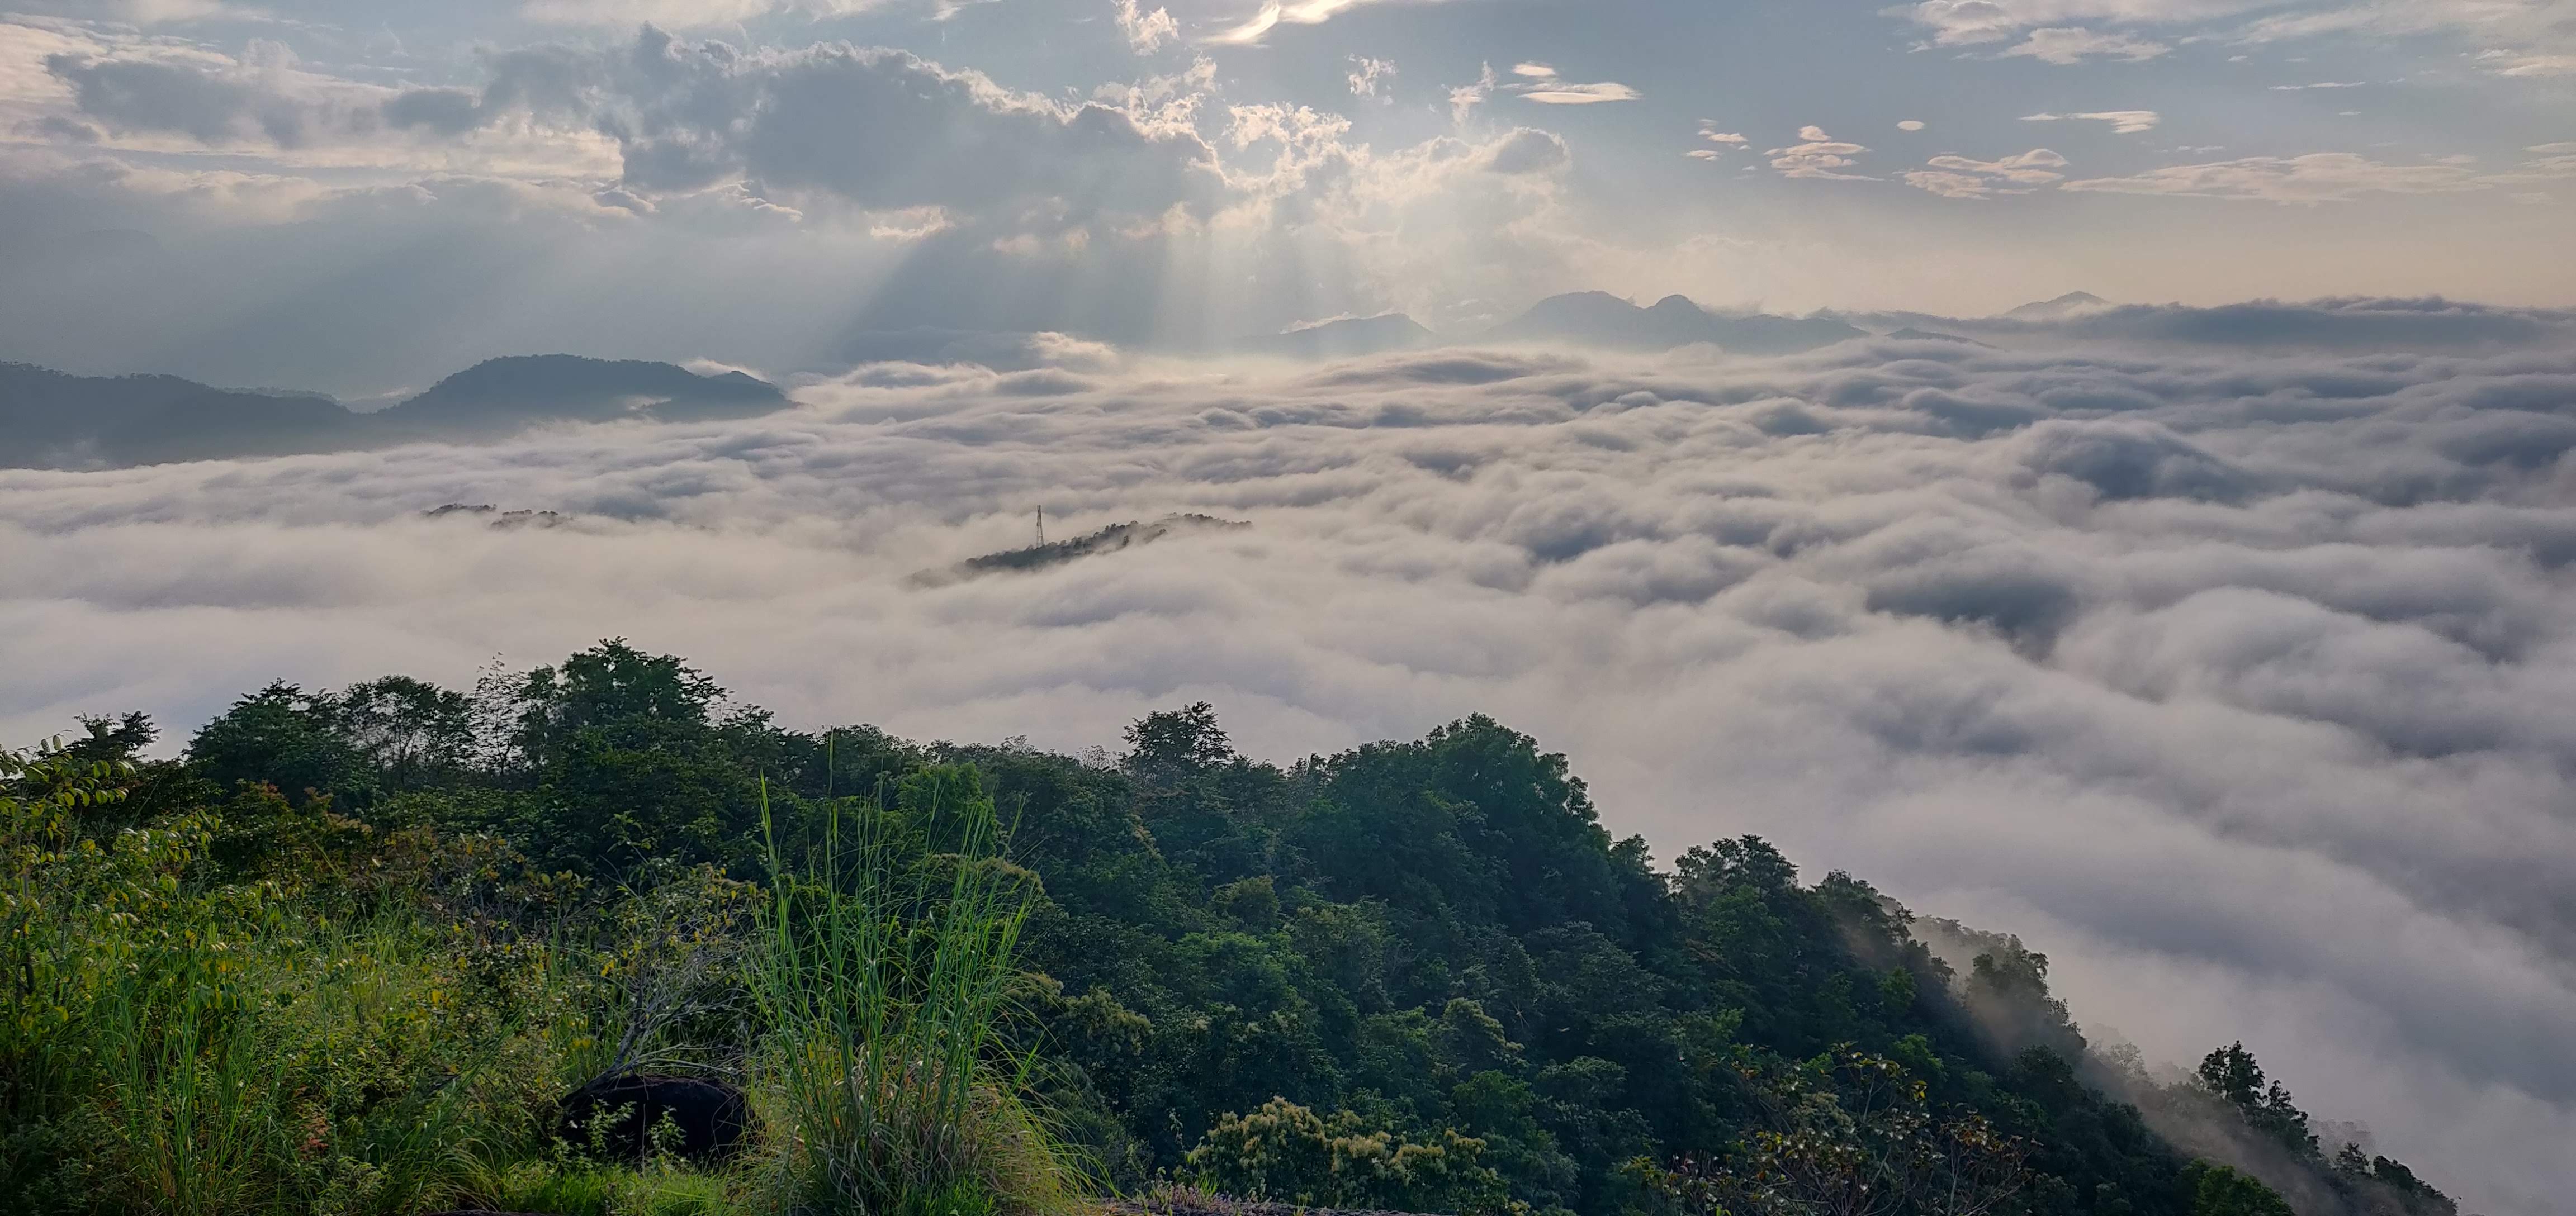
846, 123
1961, 177
2071, 46
1144, 31
1370, 77
2239, 683
124, 91
2123, 122
1818, 155
1911, 124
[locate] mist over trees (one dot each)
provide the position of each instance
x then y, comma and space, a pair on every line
1415, 975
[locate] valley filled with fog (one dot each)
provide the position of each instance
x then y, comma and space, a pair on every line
2237, 676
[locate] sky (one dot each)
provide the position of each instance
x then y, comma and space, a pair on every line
359, 197
2222, 645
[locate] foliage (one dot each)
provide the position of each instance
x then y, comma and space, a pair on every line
346, 954
1287, 1153
178, 1043
1853, 1134
2231, 1073
2217, 1190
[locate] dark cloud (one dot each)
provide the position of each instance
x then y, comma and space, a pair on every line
876, 128
263, 97
445, 111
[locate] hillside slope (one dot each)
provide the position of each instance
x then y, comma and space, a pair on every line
1273, 981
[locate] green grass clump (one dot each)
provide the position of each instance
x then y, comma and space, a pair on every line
891, 1081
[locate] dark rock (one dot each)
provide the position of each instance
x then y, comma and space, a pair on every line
618, 1114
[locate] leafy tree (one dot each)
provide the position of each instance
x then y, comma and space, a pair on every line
1854, 1134
2231, 1073
286, 737
410, 731
2217, 1190
1288, 1153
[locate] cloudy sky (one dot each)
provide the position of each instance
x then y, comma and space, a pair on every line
356, 197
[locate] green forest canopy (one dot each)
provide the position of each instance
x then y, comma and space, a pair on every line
1415, 975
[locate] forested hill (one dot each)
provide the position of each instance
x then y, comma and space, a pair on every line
1417, 975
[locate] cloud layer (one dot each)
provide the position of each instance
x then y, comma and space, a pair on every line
2240, 683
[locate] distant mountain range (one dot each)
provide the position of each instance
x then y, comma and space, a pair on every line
1583, 318
1911, 334
1345, 338
51, 419
2066, 307
1595, 318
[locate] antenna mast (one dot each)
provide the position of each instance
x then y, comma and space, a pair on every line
1041, 527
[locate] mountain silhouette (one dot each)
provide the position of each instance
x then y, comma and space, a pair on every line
1911, 334
2072, 304
1596, 318
512, 391
51, 419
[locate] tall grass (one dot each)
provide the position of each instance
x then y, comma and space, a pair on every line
175, 1044
293, 1063
893, 1083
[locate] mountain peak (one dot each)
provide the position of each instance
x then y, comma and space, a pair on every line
518, 388
53, 419
2072, 304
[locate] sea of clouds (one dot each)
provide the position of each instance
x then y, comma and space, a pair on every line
2240, 682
